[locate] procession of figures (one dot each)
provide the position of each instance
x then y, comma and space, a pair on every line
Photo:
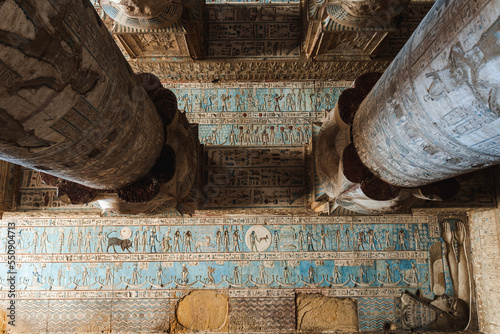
403, 267
256, 114
233, 274
182, 239
254, 134
417, 259
222, 100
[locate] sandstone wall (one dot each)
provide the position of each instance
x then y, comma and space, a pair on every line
485, 240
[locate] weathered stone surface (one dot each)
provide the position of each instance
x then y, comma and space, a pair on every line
20, 322
69, 105
3, 321
435, 113
316, 312
99, 322
206, 70
363, 13
141, 8
202, 311
261, 315
9, 185
485, 242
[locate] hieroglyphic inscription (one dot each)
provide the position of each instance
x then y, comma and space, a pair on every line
360, 256
433, 127
256, 113
251, 177
253, 31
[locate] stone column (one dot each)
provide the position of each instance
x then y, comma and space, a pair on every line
435, 112
70, 105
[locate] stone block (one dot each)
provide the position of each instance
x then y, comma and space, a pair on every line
316, 312
261, 315
201, 311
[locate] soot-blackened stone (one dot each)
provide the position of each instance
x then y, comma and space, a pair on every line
141, 191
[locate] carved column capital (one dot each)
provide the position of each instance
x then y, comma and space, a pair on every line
143, 14
364, 13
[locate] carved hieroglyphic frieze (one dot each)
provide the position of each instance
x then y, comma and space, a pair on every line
152, 45
254, 113
350, 44
105, 265
360, 256
271, 31
208, 71
246, 32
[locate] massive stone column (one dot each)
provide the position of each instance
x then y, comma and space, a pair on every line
70, 105
342, 175
435, 112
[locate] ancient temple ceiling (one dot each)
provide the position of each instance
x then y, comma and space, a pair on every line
73, 262
267, 40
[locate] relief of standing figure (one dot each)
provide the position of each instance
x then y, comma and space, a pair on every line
224, 99
402, 240
236, 241
188, 238
276, 240
253, 241
225, 239
310, 239
277, 99
218, 240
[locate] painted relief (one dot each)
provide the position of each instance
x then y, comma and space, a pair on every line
253, 31
104, 253
375, 260
257, 70
256, 113
448, 310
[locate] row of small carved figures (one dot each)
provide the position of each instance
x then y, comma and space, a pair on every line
261, 282
206, 242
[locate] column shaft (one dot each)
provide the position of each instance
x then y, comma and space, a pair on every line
435, 112
69, 103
